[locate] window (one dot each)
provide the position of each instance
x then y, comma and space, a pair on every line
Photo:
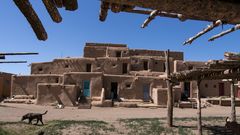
156, 63
124, 68
128, 85
57, 80
215, 86
206, 85
164, 67
66, 66
40, 69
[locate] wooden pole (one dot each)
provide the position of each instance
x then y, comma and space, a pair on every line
170, 93
233, 109
199, 111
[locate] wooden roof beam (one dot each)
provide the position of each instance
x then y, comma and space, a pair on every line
52, 10
26, 8
235, 28
204, 31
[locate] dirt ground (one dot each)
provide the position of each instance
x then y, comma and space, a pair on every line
13, 112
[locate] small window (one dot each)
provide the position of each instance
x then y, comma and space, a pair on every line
66, 66
206, 85
57, 80
114, 65
128, 85
40, 69
164, 67
156, 63
214, 86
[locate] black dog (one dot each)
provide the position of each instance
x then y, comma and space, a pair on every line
32, 116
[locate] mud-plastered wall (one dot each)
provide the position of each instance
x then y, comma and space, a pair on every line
52, 94
130, 87
27, 85
77, 79
142, 52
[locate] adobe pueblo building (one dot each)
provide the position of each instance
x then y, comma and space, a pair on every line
106, 73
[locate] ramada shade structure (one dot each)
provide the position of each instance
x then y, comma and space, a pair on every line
222, 69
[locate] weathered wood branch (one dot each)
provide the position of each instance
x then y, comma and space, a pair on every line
233, 106
204, 31
236, 27
151, 17
52, 10
103, 11
58, 3
160, 13
26, 8
70, 4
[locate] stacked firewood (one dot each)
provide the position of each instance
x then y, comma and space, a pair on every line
231, 56
51, 6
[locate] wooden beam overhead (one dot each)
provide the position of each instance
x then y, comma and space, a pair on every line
27, 10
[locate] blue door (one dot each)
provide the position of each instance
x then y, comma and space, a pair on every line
86, 88
146, 91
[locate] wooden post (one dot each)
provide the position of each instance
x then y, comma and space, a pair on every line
233, 109
199, 111
170, 93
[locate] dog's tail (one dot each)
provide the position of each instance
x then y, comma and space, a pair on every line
45, 113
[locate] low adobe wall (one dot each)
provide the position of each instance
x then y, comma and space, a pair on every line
78, 78
130, 87
27, 85
49, 94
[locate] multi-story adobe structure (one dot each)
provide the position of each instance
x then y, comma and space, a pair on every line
109, 71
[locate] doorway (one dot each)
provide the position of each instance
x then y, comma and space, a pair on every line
187, 89
114, 90
221, 89
145, 65
124, 68
89, 67
146, 92
86, 88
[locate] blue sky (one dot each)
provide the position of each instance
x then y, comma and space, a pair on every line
69, 37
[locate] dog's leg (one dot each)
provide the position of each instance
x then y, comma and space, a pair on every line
37, 121
29, 121
41, 120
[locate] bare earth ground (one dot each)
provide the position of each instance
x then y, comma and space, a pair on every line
13, 112
110, 120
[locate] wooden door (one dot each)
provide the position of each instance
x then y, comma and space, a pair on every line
221, 89
86, 88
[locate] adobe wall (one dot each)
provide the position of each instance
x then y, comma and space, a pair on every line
78, 78
180, 65
94, 50
155, 64
142, 52
209, 88
130, 87
60, 66
27, 85
52, 94
5, 84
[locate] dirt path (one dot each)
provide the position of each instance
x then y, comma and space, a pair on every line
13, 112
